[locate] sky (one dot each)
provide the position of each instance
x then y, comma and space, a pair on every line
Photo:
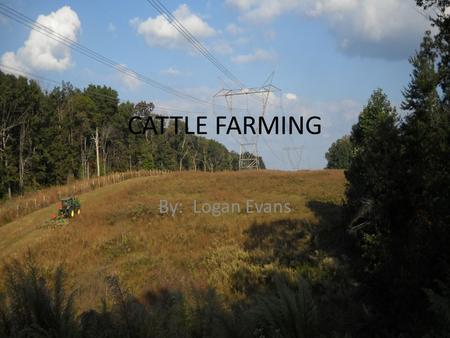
327, 56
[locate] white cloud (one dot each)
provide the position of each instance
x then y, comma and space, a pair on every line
41, 52
291, 96
347, 108
234, 29
159, 32
243, 5
222, 47
270, 35
381, 28
128, 81
171, 71
260, 10
111, 27
258, 55
242, 40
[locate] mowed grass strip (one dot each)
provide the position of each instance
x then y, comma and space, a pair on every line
121, 232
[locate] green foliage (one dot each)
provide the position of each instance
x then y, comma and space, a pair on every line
441, 43
398, 197
339, 154
287, 313
48, 138
20, 100
33, 308
375, 152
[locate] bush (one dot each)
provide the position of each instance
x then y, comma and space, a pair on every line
32, 307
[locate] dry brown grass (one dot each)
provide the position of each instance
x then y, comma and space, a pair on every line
121, 231
22, 205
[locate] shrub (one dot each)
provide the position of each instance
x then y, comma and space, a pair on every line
33, 307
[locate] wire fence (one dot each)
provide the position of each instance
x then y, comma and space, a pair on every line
22, 205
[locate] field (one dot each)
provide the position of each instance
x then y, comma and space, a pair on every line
121, 232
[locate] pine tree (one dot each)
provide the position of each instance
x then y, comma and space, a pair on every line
372, 200
422, 234
398, 197
375, 151
441, 20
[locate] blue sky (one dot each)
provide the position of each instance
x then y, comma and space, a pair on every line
328, 55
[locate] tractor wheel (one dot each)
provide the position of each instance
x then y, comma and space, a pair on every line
78, 211
72, 213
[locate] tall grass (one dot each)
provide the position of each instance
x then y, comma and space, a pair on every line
33, 305
121, 232
22, 205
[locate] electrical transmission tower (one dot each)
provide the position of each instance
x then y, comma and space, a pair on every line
248, 150
294, 155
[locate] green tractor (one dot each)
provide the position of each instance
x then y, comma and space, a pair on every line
70, 206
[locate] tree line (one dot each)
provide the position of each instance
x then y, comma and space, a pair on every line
49, 138
397, 210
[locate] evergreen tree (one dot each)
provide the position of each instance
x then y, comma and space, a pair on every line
422, 234
372, 200
441, 20
375, 151
398, 197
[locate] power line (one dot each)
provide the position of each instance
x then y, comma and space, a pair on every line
28, 74
271, 149
22, 71
156, 4
299, 151
50, 33
42, 78
158, 108
196, 44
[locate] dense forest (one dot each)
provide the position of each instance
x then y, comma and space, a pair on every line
397, 210
49, 138
398, 199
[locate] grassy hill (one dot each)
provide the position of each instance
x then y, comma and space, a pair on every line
121, 232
